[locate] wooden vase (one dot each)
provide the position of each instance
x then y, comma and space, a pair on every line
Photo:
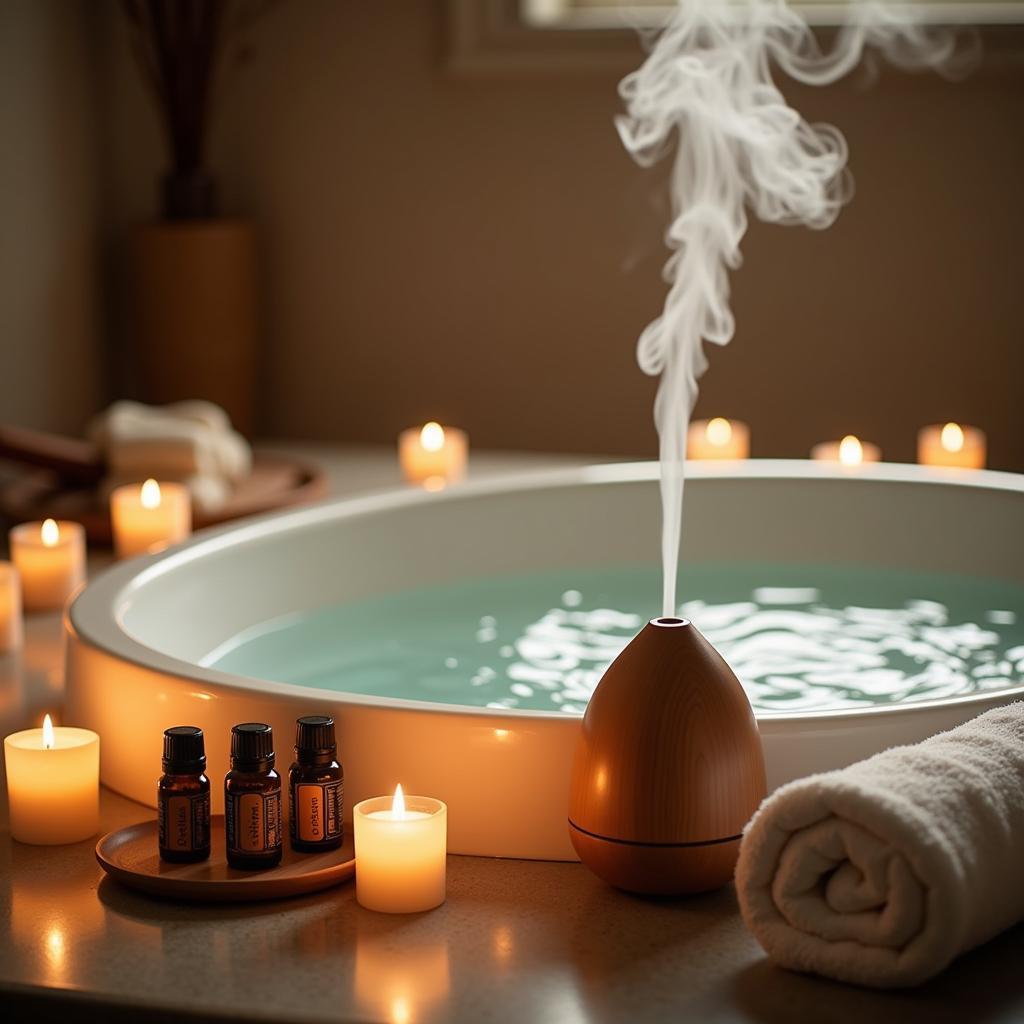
196, 323
668, 768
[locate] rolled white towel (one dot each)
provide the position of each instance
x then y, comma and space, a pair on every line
176, 451
882, 873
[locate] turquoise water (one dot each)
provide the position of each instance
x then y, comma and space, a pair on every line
799, 637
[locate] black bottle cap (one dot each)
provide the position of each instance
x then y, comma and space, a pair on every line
184, 749
314, 737
252, 746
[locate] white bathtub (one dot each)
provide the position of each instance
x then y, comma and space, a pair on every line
136, 635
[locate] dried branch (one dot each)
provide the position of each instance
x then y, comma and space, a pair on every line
180, 46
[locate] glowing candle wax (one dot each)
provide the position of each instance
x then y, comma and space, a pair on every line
401, 845
951, 444
11, 628
433, 455
50, 559
718, 439
53, 778
149, 517
851, 451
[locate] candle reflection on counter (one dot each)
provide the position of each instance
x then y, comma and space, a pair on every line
398, 983
54, 912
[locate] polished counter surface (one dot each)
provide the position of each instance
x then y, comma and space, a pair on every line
515, 941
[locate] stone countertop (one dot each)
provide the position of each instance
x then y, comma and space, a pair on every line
515, 941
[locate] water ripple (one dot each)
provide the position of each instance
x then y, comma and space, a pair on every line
807, 656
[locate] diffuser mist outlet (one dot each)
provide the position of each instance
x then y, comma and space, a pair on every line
668, 767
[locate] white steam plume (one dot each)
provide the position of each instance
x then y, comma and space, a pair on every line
707, 86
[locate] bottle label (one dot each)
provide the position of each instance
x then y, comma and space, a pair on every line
184, 822
317, 811
253, 822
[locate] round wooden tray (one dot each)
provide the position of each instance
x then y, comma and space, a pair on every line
276, 482
130, 856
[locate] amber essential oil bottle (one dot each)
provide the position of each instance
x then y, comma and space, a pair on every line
252, 799
315, 786
183, 797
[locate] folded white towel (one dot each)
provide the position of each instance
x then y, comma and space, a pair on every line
206, 414
171, 442
882, 873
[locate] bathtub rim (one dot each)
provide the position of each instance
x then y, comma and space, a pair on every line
87, 617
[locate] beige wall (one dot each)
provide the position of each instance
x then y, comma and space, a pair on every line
50, 353
480, 250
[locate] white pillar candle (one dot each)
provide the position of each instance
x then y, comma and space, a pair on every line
149, 517
950, 444
50, 559
11, 627
433, 455
851, 451
718, 439
53, 780
401, 844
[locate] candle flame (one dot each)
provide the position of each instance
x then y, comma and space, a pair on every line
718, 431
432, 437
55, 944
398, 804
50, 533
952, 437
149, 495
851, 451
48, 739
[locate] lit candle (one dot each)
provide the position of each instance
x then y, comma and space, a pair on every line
433, 455
11, 630
718, 439
951, 444
401, 844
851, 451
149, 517
50, 559
53, 779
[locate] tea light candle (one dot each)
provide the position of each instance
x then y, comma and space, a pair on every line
50, 559
951, 444
11, 627
401, 845
433, 455
851, 451
718, 439
53, 780
149, 517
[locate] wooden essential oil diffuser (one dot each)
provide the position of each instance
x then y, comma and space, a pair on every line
668, 768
